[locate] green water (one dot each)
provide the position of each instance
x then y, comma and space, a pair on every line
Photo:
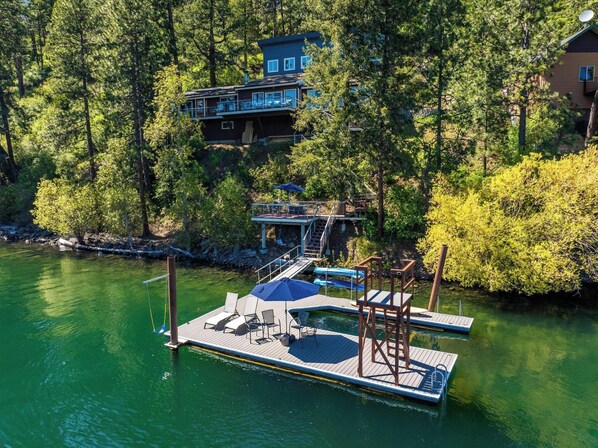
79, 366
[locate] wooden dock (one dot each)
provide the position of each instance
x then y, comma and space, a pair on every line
331, 356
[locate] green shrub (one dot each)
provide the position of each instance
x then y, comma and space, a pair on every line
532, 228
66, 209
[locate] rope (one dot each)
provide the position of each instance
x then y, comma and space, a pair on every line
163, 329
149, 303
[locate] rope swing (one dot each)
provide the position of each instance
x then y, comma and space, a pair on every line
162, 329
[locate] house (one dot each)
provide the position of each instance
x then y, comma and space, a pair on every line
260, 110
575, 74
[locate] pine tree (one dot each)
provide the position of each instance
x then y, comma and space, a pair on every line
366, 81
74, 49
11, 36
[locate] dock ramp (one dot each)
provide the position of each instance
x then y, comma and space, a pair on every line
287, 265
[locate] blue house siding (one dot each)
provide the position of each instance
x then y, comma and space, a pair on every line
288, 47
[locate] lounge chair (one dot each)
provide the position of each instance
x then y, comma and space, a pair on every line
230, 310
248, 315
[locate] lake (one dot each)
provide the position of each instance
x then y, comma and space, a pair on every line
80, 366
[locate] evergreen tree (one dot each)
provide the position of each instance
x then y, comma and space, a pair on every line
366, 82
11, 36
138, 52
74, 48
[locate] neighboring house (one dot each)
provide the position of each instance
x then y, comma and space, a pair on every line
260, 110
575, 74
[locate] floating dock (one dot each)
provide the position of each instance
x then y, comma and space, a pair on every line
419, 316
331, 356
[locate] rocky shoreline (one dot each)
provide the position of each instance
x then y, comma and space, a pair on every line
151, 248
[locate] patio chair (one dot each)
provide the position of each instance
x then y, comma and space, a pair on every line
248, 316
269, 321
229, 311
300, 324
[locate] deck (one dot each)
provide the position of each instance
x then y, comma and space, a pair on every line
333, 358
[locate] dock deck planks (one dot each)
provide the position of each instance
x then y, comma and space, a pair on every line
334, 357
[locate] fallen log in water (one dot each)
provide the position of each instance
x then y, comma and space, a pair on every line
140, 253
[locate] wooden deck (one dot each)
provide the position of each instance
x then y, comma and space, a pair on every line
330, 356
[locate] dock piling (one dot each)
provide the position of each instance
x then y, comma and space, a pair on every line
437, 277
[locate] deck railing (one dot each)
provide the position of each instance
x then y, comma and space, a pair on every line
276, 266
238, 106
296, 209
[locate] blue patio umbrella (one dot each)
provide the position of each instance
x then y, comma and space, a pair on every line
287, 290
288, 187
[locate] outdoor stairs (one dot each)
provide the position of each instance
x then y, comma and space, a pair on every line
312, 246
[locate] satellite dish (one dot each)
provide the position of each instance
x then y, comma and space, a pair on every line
586, 16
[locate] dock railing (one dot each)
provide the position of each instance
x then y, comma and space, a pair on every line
278, 265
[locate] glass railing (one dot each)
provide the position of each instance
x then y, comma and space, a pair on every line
227, 107
257, 105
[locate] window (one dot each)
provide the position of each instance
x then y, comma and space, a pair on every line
289, 64
194, 107
228, 125
273, 66
586, 73
290, 98
305, 60
274, 99
257, 100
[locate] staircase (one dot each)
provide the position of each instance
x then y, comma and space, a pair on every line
312, 245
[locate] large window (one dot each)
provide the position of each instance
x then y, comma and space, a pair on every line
289, 64
273, 66
194, 107
257, 100
586, 73
305, 60
274, 99
290, 98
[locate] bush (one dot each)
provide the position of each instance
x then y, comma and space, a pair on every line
225, 217
532, 228
66, 209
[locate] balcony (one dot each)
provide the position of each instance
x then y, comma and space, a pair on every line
240, 107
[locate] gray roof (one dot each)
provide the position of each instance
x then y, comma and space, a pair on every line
312, 35
274, 80
212, 91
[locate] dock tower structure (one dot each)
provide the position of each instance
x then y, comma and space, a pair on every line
393, 308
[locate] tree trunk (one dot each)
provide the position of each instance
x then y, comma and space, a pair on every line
381, 216
523, 119
439, 106
138, 131
6, 125
524, 96
593, 122
172, 47
19, 70
34, 55
90, 147
212, 48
